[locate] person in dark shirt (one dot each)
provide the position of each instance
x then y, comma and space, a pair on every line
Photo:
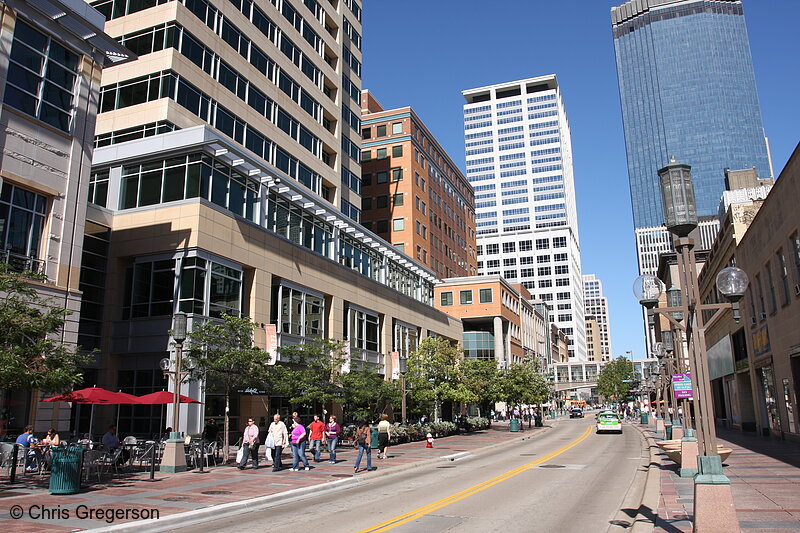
211, 431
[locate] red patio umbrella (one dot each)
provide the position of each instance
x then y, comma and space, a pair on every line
95, 396
162, 397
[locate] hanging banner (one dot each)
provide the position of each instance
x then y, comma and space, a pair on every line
682, 386
395, 357
271, 342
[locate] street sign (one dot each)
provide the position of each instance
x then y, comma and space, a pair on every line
682, 386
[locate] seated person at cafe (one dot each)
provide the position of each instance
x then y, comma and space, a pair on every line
28, 442
52, 438
111, 443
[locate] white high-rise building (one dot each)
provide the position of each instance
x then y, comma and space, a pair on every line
597, 309
519, 160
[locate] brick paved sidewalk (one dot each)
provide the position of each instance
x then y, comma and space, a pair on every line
765, 479
176, 493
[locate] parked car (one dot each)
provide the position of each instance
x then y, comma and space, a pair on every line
576, 413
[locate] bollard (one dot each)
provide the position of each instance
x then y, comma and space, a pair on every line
153, 463
14, 456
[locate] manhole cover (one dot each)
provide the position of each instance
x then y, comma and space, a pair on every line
341, 475
552, 466
216, 492
447, 466
176, 498
527, 454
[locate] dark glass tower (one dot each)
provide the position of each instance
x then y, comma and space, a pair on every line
687, 88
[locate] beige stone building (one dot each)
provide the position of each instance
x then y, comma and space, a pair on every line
51, 58
226, 180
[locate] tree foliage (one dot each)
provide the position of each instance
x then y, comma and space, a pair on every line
367, 394
435, 375
311, 373
226, 358
31, 355
612, 380
480, 377
522, 383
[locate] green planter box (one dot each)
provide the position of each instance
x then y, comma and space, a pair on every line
65, 475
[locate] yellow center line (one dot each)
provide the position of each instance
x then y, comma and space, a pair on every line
417, 513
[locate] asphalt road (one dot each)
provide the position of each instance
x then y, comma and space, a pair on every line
569, 479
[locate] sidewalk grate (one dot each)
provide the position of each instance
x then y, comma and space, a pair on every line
552, 466
341, 475
176, 498
216, 492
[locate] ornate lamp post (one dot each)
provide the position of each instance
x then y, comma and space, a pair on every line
714, 510
174, 458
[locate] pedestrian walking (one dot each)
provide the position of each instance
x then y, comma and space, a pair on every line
250, 444
332, 431
316, 432
364, 444
280, 438
299, 439
384, 433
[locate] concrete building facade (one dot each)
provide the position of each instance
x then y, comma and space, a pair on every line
52, 57
598, 336
519, 161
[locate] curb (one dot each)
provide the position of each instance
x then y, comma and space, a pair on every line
224, 510
645, 518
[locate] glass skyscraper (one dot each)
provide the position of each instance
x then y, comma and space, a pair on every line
687, 88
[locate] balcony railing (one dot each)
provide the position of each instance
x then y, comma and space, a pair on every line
22, 263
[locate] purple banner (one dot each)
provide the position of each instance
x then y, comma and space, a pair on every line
682, 386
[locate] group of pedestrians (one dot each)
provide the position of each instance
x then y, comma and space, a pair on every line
301, 438
297, 436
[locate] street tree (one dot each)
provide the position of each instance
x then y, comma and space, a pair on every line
522, 383
310, 373
367, 394
480, 377
616, 379
227, 360
435, 375
32, 356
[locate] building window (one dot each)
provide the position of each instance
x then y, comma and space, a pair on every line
366, 204
510, 274
366, 133
300, 312
485, 296
509, 247
492, 249
362, 330
525, 246
382, 226
382, 153
397, 174
561, 269
465, 297
381, 177
380, 131
773, 302
398, 224
559, 242
366, 155
22, 221
542, 244
543, 271
397, 151
406, 339
783, 271
98, 188
446, 298
397, 128
795, 239
397, 199
41, 77
381, 201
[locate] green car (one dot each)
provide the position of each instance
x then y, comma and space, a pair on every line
609, 421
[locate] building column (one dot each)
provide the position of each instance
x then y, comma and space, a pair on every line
499, 345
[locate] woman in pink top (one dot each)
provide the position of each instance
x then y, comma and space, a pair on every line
299, 443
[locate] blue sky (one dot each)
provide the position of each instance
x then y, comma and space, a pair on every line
424, 53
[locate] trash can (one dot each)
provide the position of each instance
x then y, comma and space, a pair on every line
374, 438
668, 430
514, 425
553, 414
644, 418
65, 473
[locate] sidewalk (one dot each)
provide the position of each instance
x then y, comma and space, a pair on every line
177, 493
765, 480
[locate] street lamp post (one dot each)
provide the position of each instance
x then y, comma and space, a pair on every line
174, 458
403, 370
713, 500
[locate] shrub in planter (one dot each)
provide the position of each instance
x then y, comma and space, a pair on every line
475, 423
